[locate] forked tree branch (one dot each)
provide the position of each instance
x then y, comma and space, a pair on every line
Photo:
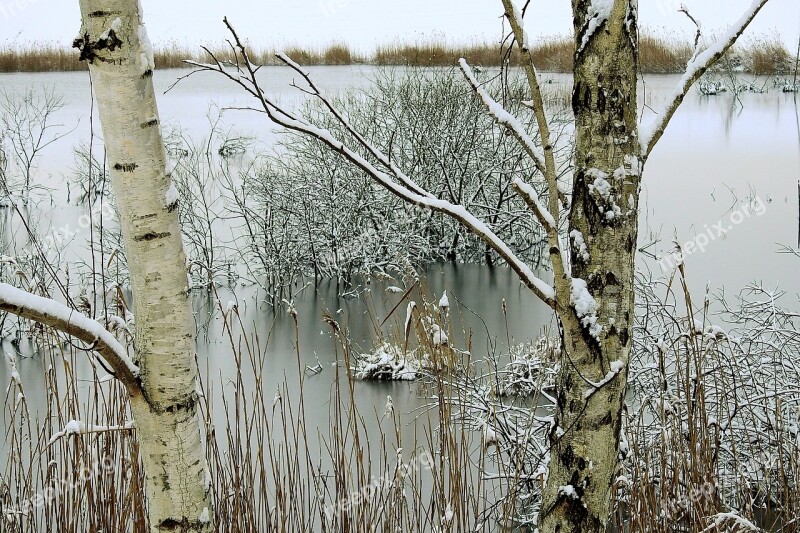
59, 316
651, 133
557, 255
391, 178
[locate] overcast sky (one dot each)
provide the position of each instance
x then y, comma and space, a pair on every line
365, 23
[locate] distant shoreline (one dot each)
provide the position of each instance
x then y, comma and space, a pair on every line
766, 55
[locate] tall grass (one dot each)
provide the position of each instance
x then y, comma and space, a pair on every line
661, 53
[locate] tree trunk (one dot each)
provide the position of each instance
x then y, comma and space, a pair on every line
596, 332
114, 42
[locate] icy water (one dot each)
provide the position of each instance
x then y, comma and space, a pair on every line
716, 157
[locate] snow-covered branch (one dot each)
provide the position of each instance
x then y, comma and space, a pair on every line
75, 427
504, 117
530, 197
391, 179
649, 134
59, 316
374, 152
514, 16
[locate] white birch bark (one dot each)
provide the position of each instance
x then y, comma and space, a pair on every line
113, 40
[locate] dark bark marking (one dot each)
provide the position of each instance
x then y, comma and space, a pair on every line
601, 101
567, 456
89, 49
98, 14
126, 167
150, 123
624, 337
151, 236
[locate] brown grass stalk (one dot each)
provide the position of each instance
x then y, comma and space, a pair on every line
661, 53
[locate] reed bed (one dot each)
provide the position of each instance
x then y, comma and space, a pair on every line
661, 53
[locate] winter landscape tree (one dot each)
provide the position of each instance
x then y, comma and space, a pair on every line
160, 378
591, 223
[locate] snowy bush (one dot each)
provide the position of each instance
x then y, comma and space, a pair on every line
533, 367
389, 362
310, 208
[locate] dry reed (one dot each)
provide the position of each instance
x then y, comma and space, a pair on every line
660, 53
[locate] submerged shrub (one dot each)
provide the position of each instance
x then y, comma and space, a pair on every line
324, 217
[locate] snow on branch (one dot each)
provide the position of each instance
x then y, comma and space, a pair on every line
504, 117
560, 264
532, 199
75, 427
391, 179
616, 368
649, 134
59, 316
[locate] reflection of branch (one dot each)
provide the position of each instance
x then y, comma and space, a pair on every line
789, 250
59, 316
650, 134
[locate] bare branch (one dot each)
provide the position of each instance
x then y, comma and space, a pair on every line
406, 189
650, 134
377, 154
514, 15
528, 194
698, 35
504, 117
59, 316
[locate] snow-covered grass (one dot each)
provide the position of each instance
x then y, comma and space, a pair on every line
713, 422
420, 348
709, 450
388, 362
532, 367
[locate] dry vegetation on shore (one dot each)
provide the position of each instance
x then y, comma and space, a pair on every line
660, 53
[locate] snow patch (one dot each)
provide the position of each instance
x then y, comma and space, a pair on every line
444, 302
585, 306
390, 363
171, 196
579, 245
598, 13
438, 337
147, 59
600, 189
115, 27
568, 491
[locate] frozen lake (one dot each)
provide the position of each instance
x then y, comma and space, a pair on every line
716, 157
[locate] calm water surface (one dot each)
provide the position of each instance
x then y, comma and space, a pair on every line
716, 155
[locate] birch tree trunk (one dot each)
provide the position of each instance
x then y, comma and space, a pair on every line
114, 42
596, 306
